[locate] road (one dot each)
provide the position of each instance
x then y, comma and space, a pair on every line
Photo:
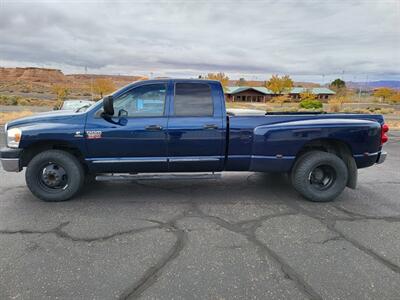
245, 236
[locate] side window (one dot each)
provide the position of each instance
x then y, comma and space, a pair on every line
143, 101
193, 99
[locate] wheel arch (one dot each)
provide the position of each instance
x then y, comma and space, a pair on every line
335, 146
37, 147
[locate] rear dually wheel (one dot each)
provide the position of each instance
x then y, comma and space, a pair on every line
319, 176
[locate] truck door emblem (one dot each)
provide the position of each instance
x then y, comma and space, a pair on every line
78, 134
94, 134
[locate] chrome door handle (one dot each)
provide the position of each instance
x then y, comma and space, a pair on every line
154, 127
210, 126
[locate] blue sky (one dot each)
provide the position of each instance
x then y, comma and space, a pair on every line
310, 40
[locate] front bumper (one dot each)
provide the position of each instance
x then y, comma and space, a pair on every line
11, 159
382, 157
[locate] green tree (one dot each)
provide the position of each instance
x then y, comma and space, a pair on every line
279, 85
338, 84
339, 87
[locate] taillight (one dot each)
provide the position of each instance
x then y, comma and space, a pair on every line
384, 130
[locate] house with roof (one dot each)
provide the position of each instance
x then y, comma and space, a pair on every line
262, 94
322, 93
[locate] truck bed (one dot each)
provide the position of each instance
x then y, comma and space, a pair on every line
286, 134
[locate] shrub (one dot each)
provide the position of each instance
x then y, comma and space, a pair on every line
284, 109
311, 104
395, 99
281, 99
61, 91
23, 102
9, 100
384, 111
383, 93
334, 105
307, 95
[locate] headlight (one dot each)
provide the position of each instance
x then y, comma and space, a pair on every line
13, 137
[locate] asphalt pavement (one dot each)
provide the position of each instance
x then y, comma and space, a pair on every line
245, 236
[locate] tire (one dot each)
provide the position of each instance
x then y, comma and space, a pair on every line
319, 176
54, 176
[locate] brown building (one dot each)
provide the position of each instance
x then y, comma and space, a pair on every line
322, 93
262, 94
248, 94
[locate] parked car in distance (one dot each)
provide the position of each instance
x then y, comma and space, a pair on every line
76, 104
173, 125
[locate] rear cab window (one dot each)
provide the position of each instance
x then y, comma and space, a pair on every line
193, 100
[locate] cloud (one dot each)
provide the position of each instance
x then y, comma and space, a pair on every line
243, 38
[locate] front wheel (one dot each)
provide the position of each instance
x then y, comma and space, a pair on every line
54, 175
319, 176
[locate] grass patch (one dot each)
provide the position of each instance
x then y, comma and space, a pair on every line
21, 101
393, 124
332, 106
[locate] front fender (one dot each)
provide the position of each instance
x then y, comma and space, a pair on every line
67, 131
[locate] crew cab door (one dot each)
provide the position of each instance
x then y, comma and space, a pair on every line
196, 132
138, 146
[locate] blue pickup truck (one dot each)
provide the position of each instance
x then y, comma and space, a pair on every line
172, 125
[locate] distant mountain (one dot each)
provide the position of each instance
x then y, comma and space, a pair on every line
393, 84
54, 76
262, 83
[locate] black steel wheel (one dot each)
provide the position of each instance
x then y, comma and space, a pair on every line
319, 176
54, 175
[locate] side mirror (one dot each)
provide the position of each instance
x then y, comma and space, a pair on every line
122, 113
108, 105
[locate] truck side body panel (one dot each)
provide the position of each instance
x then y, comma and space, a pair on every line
271, 143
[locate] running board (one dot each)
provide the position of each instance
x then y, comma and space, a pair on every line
126, 177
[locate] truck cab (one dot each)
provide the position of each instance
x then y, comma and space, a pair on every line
170, 126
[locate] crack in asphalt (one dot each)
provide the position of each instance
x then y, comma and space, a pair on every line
262, 249
357, 216
331, 239
379, 258
330, 224
245, 228
154, 272
64, 235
